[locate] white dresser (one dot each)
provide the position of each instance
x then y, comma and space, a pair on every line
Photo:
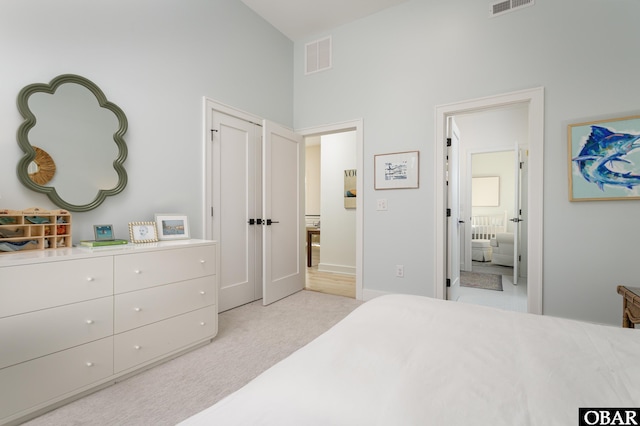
76, 319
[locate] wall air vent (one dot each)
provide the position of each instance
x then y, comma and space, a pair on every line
317, 55
502, 7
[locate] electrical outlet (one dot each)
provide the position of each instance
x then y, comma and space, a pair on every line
381, 204
400, 271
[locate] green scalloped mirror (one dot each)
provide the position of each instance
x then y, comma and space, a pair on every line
72, 120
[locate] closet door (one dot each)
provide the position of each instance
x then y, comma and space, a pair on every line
283, 211
235, 182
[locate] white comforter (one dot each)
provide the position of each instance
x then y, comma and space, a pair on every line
409, 360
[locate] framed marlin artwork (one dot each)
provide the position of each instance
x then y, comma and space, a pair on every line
604, 160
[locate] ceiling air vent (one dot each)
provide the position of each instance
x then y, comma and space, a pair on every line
318, 55
502, 7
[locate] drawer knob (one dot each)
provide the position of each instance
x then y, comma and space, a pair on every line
138, 271
137, 309
203, 261
89, 364
137, 347
90, 279
203, 323
89, 321
202, 292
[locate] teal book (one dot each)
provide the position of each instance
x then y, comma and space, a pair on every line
94, 243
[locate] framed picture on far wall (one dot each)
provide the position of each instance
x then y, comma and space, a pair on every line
172, 226
396, 170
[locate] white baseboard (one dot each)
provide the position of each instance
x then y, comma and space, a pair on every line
337, 269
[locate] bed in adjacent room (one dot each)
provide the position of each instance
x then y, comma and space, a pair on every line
483, 230
411, 360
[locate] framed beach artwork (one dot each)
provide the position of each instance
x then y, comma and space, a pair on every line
103, 232
604, 159
172, 226
396, 170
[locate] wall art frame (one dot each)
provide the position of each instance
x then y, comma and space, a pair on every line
143, 232
397, 170
172, 226
604, 159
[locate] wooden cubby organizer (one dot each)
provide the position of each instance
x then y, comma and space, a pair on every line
34, 229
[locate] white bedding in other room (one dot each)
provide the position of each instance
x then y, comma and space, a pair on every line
410, 360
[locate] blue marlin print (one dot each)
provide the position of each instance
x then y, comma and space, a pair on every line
602, 149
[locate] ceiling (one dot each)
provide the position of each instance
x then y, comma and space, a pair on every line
298, 19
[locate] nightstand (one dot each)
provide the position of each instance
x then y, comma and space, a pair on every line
630, 306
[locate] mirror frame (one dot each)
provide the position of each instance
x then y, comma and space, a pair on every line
30, 153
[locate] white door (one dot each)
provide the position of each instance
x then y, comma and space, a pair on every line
453, 211
283, 212
516, 215
235, 184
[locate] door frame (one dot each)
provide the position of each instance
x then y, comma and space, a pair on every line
357, 126
535, 100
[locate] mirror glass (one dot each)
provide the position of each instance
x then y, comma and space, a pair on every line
72, 121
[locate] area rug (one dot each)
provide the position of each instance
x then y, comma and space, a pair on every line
479, 280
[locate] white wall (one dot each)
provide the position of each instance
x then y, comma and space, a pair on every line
155, 59
338, 230
500, 164
393, 68
313, 175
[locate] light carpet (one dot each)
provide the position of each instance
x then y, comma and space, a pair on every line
251, 338
481, 280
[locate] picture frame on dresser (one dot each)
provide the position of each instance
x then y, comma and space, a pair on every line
172, 226
143, 232
103, 232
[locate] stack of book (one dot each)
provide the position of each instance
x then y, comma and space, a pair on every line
94, 243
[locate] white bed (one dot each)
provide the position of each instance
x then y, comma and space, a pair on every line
410, 360
483, 229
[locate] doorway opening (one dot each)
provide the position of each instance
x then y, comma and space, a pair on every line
336, 256
330, 202
492, 261
447, 226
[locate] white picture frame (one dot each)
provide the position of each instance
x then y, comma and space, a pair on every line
397, 170
172, 226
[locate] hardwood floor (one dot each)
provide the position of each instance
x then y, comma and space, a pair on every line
326, 282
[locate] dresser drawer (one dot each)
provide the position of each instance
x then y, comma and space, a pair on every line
144, 270
142, 307
154, 341
39, 333
27, 288
29, 384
